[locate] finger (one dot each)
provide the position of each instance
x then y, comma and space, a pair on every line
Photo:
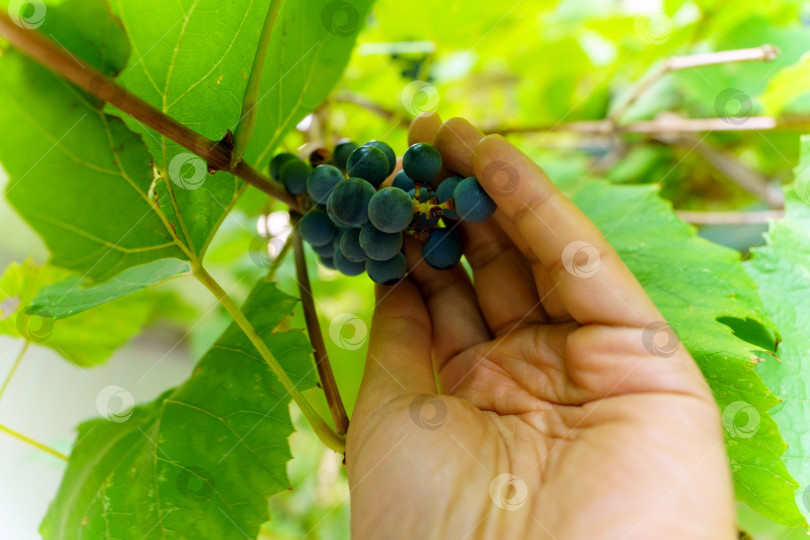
398, 360
455, 141
450, 297
605, 362
504, 284
503, 280
424, 128
455, 317
546, 287
592, 281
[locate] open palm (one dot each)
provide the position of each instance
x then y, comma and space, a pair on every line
567, 408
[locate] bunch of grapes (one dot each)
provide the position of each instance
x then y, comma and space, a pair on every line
356, 220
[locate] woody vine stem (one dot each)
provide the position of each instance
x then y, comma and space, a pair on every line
224, 155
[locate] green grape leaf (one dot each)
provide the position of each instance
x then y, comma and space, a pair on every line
202, 459
308, 53
77, 175
694, 283
787, 87
73, 295
782, 271
86, 339
192, 58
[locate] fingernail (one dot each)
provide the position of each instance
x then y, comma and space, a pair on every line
487, 140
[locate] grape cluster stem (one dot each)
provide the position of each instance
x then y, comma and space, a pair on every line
327, 378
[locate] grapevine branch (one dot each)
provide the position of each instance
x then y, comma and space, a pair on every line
325, 374
676, 63
757, 217
371, 106
664, 125
218, 154
668, 124
742, 175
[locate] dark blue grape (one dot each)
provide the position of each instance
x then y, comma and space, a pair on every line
368, 163
342, 152
389, 154
445, 193
390, 210
328, 262
324, 251
345, 266
322, 180
294, 174
387, 272
350, 246
473, 204
277, 162
403, 181
316, 228
336, 220
443, 249
338, 235
349, 201
422, 162
379, 245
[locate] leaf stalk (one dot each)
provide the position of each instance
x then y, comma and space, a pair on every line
327, 435
247, 119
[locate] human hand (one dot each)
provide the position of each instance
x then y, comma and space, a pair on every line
555, 420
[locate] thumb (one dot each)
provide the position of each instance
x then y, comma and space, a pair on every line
398, 361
